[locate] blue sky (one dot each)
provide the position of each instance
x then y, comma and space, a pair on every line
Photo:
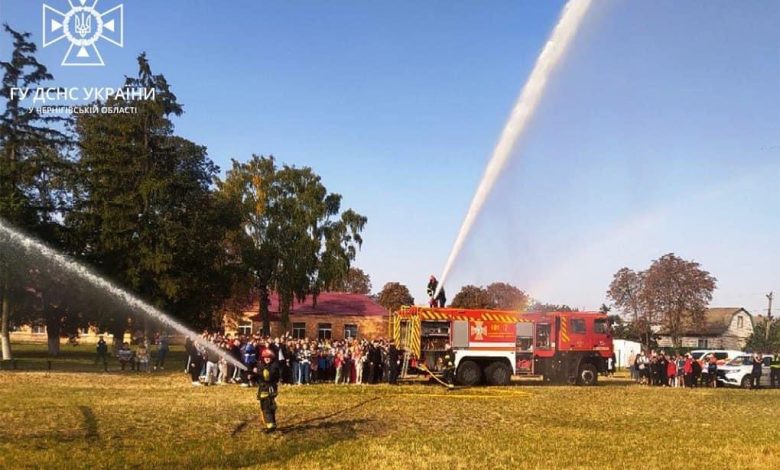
658, 133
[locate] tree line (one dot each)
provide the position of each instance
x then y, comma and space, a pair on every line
147, 209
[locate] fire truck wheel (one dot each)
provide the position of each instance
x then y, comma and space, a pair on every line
469, 373
588, 374
498, 373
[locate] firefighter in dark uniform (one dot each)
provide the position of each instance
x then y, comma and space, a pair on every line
774, 371
441, 299
448, 364
268, 374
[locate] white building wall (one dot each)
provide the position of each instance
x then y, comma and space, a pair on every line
624, 349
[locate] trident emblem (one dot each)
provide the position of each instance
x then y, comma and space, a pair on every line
83, 24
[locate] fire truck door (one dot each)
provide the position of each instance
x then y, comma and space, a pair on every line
524, 351
543, 341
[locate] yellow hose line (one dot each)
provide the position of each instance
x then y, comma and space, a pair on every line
477, 397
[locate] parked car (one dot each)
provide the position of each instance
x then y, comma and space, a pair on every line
736, 372
721, 355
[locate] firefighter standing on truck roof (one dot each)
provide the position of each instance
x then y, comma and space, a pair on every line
268, 377
440, 299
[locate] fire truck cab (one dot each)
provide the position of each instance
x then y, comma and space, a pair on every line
490, 346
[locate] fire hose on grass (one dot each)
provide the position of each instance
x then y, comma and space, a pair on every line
425, 369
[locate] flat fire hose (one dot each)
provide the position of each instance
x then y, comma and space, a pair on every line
423, 368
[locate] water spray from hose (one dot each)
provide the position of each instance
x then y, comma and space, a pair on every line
70, 266
527, 102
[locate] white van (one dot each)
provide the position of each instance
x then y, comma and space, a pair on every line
721, 355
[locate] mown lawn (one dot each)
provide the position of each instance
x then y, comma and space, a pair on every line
100, 420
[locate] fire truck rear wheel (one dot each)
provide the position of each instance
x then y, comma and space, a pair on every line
498, 373
469, 373
588, 374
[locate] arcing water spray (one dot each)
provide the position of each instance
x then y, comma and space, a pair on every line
69, 266
561, 37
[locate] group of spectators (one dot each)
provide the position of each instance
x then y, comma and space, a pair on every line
682, 370
143, 356
301, 361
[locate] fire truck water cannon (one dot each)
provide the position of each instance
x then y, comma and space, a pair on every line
491, 346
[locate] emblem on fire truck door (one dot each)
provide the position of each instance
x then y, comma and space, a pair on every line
478, 330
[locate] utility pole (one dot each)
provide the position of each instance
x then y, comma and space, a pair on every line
769, 296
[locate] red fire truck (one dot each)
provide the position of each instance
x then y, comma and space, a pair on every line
493, 345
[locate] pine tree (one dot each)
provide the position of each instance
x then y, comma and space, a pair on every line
30, 146
145, 214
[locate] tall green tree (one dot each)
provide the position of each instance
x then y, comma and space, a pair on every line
503, 296
758, 339
356, 281
297, 240
394, 295
145, 213
29, 146
471, 297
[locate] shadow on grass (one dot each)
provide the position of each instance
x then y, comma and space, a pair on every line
90, 423
303, 424
293, 441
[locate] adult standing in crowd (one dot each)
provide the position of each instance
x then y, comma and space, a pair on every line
671, 372
632, 366
393, 362
189, 347
712, 371
696, 372
101, 353
375, 354
162, 351
212, 366
755, 383
195, 364
688, 370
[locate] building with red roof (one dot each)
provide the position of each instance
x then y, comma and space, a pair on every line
337, 315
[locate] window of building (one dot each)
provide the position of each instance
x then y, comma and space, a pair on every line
324, 331
38, 329
600, 326
350, 331
245, 328
702, 343
740, 321
299, 330
578, 326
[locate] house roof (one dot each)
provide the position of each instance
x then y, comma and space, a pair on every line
716, 322
328, 304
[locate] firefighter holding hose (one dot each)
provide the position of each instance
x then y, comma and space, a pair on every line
268, 377
440, 299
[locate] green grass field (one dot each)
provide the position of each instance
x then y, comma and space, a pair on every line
88, 419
